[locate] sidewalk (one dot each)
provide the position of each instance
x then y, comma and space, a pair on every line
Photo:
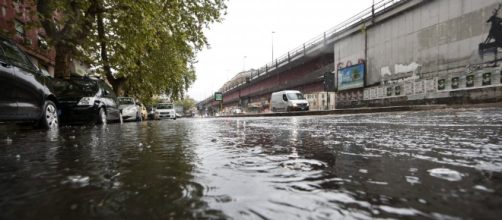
370, 110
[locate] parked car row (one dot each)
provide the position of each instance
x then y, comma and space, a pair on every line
28, 95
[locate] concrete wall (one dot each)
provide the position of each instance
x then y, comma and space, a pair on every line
422, 43
431, 37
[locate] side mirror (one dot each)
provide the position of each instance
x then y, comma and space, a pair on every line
4, 62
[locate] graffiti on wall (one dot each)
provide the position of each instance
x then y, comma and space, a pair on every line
401, 71
494, 38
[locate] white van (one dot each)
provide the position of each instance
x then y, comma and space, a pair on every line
288, 100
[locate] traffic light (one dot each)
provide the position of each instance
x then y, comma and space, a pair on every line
329, 82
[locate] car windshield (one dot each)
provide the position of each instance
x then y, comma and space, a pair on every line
164, 106
126, 101
295, 96
76, 87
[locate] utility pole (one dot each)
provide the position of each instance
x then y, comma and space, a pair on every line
273, 32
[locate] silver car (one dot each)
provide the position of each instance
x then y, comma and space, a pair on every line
129, 109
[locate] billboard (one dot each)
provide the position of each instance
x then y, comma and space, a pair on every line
351, 77
218, 96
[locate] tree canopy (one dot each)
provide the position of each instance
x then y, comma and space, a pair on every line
187, 103
142, 47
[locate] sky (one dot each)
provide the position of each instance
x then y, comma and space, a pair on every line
251, 29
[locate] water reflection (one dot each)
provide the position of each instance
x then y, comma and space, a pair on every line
138, 170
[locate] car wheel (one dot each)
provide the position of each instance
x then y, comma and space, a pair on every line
102, 116
49, 118
138, 117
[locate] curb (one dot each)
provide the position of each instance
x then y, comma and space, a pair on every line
366, 110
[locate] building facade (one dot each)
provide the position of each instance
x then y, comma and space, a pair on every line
17, 22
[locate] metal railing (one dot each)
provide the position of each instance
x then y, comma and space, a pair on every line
303, 49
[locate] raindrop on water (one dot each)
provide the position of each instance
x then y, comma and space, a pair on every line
73, 206
445, 173
483, 188
78, 180
8, 141
412, 180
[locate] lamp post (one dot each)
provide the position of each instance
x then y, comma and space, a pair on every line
244, 63
273, 32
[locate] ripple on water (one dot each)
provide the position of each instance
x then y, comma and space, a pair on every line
445, 173
304, 164
412, 180
77, 181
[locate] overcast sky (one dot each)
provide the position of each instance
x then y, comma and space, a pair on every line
243, 40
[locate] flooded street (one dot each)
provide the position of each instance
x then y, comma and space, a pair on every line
441, 164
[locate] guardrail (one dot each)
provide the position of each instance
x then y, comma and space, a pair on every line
303, 49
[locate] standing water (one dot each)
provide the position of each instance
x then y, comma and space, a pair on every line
444, 164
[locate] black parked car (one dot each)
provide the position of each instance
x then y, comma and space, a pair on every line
87, 100
25, 92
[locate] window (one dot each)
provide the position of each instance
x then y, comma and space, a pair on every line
14, 55
44, 70
2, 54
19, 28
4, 11
297, 96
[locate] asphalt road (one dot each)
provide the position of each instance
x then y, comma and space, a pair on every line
437, 164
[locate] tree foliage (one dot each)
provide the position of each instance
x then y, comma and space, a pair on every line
142, 47
187, 103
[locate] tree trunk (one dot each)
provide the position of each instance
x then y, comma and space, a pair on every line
102, 42
117, 83
63, 61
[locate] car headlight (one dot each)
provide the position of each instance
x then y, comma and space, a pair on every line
87, 101
294, 104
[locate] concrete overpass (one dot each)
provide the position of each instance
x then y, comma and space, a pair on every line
406, 49
301, 68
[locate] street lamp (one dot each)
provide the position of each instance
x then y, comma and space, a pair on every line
244, 63
273, 32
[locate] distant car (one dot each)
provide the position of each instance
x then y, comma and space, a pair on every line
152, 114
87, 100
25, 92
237, 111
166, 110
129, 109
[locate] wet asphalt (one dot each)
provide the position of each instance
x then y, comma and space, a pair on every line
439, 164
